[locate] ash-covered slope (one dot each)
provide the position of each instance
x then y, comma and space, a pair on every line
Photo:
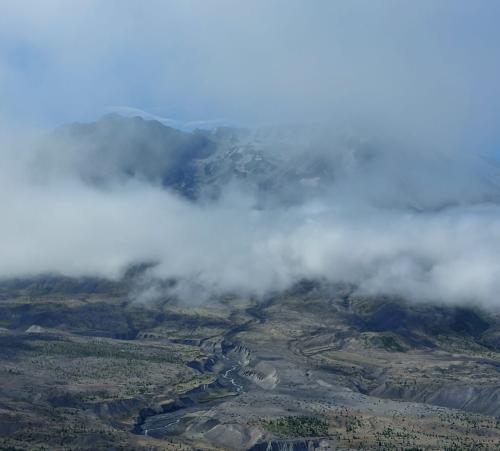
286, 164
272, 163
117, 149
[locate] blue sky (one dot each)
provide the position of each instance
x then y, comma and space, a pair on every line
419, 68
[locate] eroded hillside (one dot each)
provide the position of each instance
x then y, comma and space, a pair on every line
317, 366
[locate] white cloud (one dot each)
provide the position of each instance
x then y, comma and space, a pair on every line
70, 228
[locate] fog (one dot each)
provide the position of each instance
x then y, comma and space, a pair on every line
367, 230
417, 216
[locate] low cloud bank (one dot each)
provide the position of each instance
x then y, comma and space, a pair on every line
412, 210
367, 230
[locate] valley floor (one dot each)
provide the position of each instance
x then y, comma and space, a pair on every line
313, 368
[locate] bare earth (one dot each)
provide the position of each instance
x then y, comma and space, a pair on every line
313, 368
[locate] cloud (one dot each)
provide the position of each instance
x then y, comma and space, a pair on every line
425, 71
365, 230
415, 213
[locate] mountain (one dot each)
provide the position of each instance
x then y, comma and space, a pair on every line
117, 148
283, 165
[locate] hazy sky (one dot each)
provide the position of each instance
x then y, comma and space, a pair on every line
414, 67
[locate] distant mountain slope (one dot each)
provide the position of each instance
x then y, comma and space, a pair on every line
287, 164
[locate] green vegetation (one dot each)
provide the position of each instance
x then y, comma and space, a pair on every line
97, 348
298, 426
353, 425
386, 342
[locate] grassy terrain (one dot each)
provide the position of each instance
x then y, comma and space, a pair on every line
298, 426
